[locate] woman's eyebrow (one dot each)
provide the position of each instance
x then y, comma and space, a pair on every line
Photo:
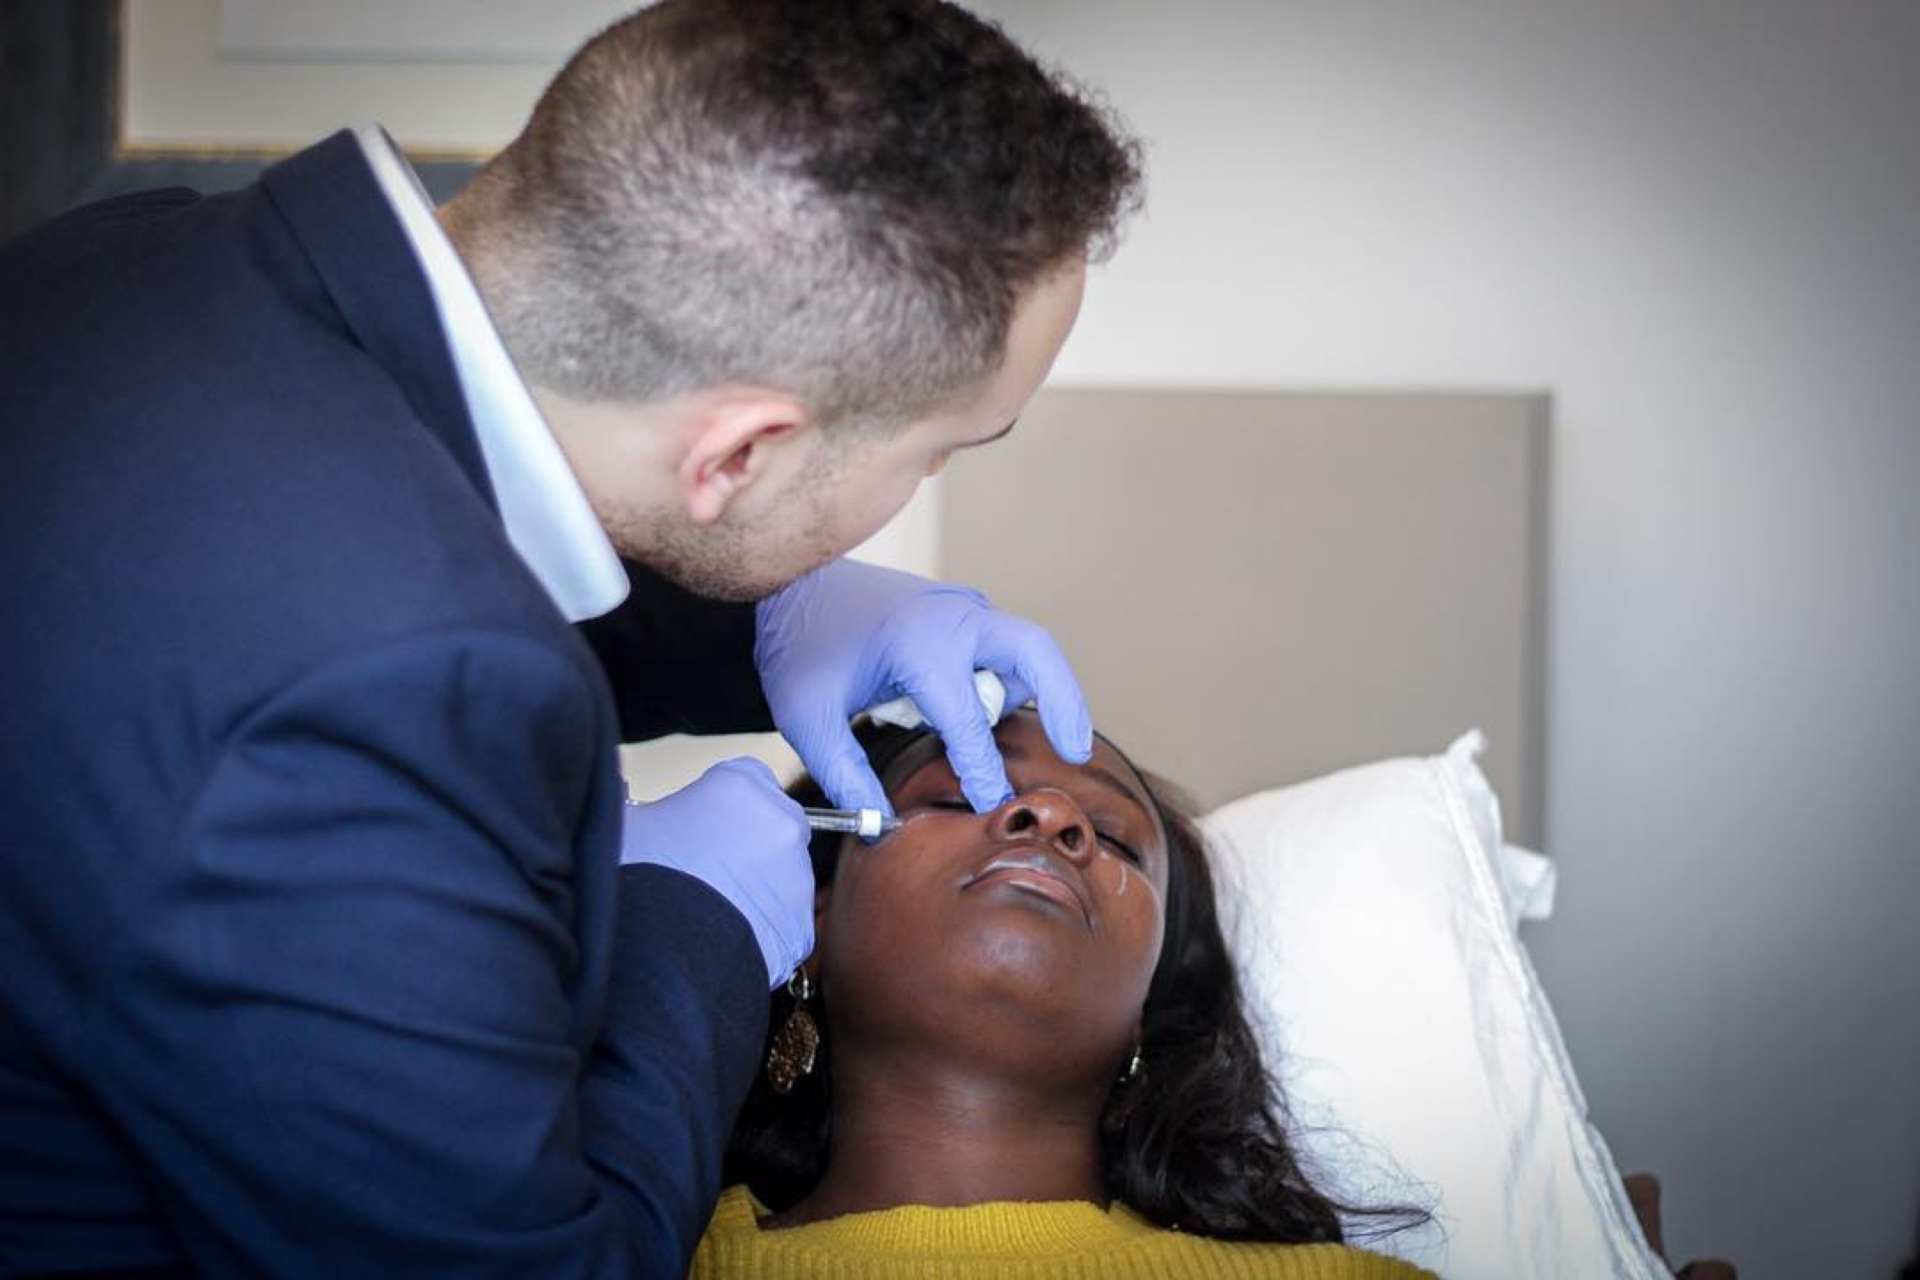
1116, 783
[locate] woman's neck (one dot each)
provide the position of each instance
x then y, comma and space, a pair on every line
931, 1133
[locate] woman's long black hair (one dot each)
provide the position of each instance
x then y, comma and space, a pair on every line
1197, 1140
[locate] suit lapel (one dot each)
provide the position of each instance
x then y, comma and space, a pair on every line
334, 207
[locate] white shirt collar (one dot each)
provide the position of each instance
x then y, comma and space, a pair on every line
548, 519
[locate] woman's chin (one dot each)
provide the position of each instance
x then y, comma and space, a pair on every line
1030, 962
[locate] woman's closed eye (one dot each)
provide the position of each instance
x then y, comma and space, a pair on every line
958, 804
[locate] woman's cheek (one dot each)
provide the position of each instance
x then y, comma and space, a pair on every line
889, 875
1118, 880
1133, 902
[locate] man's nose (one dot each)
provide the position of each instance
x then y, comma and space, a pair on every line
1049, 815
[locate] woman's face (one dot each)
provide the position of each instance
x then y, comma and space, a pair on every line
1032, 929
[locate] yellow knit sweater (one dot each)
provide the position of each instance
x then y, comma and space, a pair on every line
1059, 1240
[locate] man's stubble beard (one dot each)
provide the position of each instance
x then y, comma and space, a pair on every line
728, 560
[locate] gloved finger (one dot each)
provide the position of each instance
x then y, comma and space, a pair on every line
753, 770
952, 707
777, 877
1021, 651
1018, 694
763, 787
840, 767
788, 914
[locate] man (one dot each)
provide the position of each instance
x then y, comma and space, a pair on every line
329, 945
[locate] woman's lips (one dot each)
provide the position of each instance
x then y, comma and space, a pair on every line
1038, 871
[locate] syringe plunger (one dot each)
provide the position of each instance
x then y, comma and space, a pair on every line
868, 824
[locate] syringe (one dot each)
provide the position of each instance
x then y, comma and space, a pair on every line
868, 824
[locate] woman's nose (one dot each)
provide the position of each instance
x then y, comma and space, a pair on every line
1046, 814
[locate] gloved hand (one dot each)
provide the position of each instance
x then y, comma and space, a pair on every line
735, 830
849, 635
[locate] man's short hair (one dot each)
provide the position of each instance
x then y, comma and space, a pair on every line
842, 199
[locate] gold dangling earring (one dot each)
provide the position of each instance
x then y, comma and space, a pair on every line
791, 1054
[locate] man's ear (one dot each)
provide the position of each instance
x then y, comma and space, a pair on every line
731, 439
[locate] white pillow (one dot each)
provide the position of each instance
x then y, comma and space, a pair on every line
1373, 916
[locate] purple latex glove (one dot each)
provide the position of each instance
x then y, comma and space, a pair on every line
736, 831
850, 635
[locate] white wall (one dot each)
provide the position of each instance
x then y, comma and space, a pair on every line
1697, 223
180, 91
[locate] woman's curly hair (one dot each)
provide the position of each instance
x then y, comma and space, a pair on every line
1197, 1141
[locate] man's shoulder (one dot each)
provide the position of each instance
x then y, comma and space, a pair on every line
183, 393
95, 263
175, 316
191, 300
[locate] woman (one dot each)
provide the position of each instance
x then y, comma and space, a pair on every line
1032, 1059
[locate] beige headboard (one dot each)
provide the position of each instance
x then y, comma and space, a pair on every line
1261, 587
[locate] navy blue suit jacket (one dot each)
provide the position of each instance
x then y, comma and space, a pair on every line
315, 953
